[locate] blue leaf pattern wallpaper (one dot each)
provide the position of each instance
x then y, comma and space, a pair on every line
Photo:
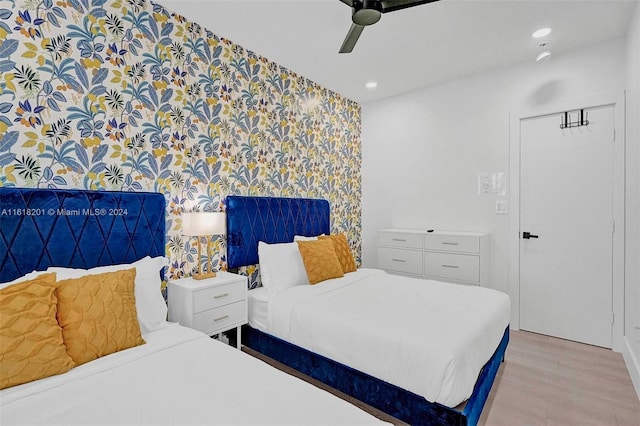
126, 95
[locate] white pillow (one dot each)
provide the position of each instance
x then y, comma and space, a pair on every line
281, 266
150, 305
303, 238
26, 277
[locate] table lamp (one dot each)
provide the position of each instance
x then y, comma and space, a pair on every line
203, 225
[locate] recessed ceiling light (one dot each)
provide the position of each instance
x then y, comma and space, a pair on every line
542, 32
543, 56
371, 85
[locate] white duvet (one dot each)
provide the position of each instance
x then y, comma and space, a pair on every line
179, 377
428, 337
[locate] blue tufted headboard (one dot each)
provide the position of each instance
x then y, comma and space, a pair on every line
272, 220
74, 228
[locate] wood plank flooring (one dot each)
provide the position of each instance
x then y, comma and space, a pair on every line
547, 382
554, 382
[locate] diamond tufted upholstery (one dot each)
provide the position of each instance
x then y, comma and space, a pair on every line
272, 220
74, 228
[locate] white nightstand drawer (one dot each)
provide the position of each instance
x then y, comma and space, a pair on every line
407, 261
466, 244
459, 267
400, 239
220, 318
212, 297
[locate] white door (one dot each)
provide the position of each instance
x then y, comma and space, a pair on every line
566, 204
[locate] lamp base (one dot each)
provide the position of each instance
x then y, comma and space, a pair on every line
203, 276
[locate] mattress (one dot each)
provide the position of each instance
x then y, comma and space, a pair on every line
428, 337
179, 377
259, 298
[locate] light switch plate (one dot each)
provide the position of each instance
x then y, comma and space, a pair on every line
502, 207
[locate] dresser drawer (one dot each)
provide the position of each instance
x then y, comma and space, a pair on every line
212, 297
400, 239
460, 243
220, 318
459, 267
407, 261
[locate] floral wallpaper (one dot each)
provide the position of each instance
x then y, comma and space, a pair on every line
125, 95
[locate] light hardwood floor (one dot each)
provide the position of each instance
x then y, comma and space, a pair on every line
555, 382
548, 382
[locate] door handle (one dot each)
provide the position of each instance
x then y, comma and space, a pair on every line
527, 235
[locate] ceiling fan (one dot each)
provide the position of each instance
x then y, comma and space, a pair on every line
368, 12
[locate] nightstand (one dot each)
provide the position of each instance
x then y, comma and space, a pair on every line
212, 305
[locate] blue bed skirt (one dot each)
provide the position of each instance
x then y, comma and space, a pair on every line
391, 399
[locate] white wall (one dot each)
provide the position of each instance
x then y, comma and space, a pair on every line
632, 240
422, 152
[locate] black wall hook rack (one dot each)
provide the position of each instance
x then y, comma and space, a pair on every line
567, 123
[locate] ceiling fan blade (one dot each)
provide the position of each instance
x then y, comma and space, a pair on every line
348, 2
351, 38
393, 5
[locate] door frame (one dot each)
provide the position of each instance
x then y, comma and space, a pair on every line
617, 99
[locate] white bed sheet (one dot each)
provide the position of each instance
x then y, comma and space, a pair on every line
428, 337
179, 377
259, 308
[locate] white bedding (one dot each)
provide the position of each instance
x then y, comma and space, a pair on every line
428, 337
179, 377
259, 308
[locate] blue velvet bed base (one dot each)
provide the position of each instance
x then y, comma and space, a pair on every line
391, 399
75, 228
272, 220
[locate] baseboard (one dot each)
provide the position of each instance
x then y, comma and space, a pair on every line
632, 365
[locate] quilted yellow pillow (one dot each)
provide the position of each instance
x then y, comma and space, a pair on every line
343, 251
97, 314
320, 260
31, 345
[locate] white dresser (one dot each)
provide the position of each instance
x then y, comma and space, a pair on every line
460, 257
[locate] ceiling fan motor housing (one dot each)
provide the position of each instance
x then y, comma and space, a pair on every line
366, 12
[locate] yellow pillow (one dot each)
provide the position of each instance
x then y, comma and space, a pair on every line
31, 345
343, 251
320, 260
97, 314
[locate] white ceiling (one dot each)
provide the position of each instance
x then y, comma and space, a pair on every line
410, 48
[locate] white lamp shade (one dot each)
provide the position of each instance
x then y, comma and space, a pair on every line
203, 223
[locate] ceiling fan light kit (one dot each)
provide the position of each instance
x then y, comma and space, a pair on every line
368, 12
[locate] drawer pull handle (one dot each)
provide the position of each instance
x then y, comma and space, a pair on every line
450, 266
399, 239
399, 260
220, 296
449, 244
221, 318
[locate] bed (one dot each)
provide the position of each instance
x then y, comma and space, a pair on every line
423, 351
178, 375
